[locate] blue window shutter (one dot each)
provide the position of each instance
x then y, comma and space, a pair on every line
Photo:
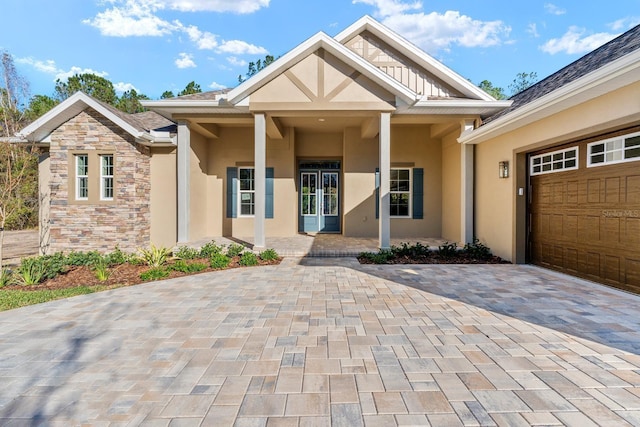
377, 193
232, 192
418, 193
269, 194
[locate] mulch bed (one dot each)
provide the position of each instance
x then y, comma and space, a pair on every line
437, 259
121, 275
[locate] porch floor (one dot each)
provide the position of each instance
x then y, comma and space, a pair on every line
319, 245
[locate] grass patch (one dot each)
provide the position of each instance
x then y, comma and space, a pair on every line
14, 298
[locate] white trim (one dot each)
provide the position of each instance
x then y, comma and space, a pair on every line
103, 177
384, 163
260, 180
622, 139
323, 195
240, 191
183, 172
77, 176
552, 162
302, 194
615, 75
410, 192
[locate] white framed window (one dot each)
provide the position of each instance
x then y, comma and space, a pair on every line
82, 176
400, 193
106, 177
309, 193
620, 149
555, 161
246, 191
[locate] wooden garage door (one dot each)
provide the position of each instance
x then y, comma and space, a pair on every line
585, 221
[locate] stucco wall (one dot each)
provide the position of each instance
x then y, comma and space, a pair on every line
496, 199
198, 186
98, 225
163, 197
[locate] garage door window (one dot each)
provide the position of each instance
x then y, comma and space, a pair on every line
556, 161
618, 150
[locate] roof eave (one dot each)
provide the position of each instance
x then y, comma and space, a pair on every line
612, 76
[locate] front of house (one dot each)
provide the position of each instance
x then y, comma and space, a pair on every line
361, 134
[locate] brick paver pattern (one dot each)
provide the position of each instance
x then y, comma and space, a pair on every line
328, 342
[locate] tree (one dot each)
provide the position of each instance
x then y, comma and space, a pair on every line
91, 84
129, 102
496, 92
18, 188
167, 94
190, 89
14, 91
523, 81
38, 105
255, 67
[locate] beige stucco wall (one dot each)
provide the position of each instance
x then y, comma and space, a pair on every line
496, 199
199, 188
163, 197
451, 189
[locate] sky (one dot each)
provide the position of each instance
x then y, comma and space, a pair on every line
158, 45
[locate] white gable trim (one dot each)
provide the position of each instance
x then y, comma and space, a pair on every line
415, 54
318, 41
67, 109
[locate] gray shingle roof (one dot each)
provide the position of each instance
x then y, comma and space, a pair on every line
212, 95
605, 54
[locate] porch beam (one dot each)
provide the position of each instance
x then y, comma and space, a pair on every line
274, 128
260, 162
466, 182
384, 222
183, 180
209, 130
441, 129
370, 128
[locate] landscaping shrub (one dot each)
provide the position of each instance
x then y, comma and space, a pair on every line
234, 249
184, 267
448, 250
383, 256
101, 270
185, 252
53, 264
411, 251
82, 258
269, 255
6, 277
31, 271
117, 257
210, 249
155, 256
248, 259
154, 273
219, 260
477, 250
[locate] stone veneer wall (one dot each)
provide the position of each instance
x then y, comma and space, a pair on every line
101, 226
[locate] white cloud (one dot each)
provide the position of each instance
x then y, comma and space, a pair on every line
122, 87
216, 86
553, 9
435, 31
236, 61
49, 67
575, 41
202, 39
185, 61
533, 30
133, 18
234, 6
64, 75
239, 47
386, 8
624, 23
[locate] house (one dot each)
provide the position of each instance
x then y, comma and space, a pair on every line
361, 134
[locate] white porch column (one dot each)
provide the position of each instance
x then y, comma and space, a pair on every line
260, 177
384, 222
466, 182
184, 172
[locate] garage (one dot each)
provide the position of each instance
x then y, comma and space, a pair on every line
584, 209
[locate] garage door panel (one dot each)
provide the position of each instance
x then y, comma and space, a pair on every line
571, 260
611, 231
557, 193
612, 268
632, 232
612, 190
588, 229
572, 192
593, 191
571, 228
632, 273
555, 225
633, 190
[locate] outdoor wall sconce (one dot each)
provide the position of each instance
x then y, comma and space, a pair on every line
503, 169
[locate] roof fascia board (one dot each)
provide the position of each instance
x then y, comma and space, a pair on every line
414, 53
588, 85
320, 40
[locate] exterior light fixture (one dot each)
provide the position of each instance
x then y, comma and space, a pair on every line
503, 169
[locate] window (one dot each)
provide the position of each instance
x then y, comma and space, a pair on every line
556, 161
247, 191
82, 176
616, 150
400, 186
106, 177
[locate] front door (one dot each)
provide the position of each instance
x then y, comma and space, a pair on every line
319, 200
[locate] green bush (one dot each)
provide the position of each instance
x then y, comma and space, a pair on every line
6, 277
383, 256
448, 250
411, 251
185, 252
82, 258
248, 259
477, 250
117, 257
101, 270
234, 249
210, 249
219, 260
184, 267
31, 271
155, 256
154, 273
269, 255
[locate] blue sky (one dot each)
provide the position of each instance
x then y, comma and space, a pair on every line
158, 45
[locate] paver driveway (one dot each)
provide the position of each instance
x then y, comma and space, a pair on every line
329, 343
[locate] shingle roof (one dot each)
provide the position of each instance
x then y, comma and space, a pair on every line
151, 120
212, 95
605, 54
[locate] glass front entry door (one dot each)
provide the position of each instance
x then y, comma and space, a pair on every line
319, 201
